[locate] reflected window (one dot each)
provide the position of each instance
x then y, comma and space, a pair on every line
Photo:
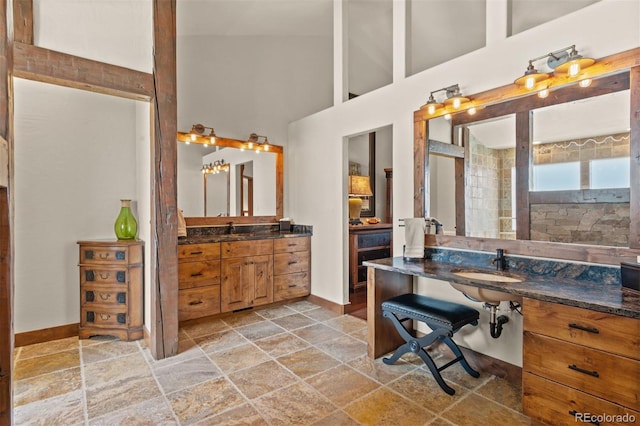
441, 30
609, 173
556, 177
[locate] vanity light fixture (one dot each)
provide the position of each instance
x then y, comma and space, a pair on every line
217, 166
199, 130
255, 139
453, 99
562, 61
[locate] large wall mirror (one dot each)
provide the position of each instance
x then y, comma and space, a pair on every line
558, 169
228, 180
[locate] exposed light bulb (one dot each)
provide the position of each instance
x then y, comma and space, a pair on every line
187, 142
266, 147
447, 116
193, 137
250, 145
456, 103
574, 69
213, 140
431, 109
471, 110
206, 144
530, 82
585, 83
543, 93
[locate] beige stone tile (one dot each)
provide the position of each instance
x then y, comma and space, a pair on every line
220, 341
196, 370
204, 400
46, 386
308, 362
339, 418
48, 348
281, 344
94, 353
346, 323
67, 409
321, 314
379, 371
262, 378
240, 357
31, 367
118, 394
276, 312
298, 404
192, 352
503, 392
154, 412
302, 306
259, 330
342, 384
96, 340
344, 348
244, 415
360, 335
475, 409
292, 322
439, 421
117, 369
317, 333
420, 386
204, 327
242, 318
457, 374
384, 407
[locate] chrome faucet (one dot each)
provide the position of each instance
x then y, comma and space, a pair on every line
499, 260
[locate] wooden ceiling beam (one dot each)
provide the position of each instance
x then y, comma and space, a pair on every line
23, 21
48, 66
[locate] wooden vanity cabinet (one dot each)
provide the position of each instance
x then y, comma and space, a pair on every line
111, 289
579, 361
247, 274
292, 268
198, 280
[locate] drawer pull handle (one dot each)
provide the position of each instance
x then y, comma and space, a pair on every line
105, 296
105, 317
292, 244
104, 277
103, 255
292, 262
292, 285
582, 370
197, 274
574, 413
196, 252
583, 328
195, 302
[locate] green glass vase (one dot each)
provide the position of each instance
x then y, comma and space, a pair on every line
126, 226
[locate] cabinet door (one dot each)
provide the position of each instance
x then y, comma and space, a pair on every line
263, 280
237, 284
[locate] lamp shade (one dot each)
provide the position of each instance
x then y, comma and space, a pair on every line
359, 186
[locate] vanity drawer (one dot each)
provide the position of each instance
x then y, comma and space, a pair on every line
97, 295
198, 302
104, 317
247, 248
103, 275
290, 286
283, 245
543, 399
286, 263
612, 377
608, 332
374, 239
198, 274
192, 252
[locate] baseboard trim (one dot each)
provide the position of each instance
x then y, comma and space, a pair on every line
46, 334
335, 307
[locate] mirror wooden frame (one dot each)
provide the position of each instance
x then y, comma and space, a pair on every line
276, 150
514, 99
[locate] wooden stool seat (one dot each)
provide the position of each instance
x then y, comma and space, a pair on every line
442, 317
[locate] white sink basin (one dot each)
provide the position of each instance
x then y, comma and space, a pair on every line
482, 294
485, 276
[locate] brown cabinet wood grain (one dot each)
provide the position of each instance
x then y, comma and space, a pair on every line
367, 242
199, 302
198, 280
246, 281
111, 289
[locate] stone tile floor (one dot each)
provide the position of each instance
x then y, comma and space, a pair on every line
295, 364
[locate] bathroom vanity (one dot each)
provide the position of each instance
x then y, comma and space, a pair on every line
225, 272
581, 350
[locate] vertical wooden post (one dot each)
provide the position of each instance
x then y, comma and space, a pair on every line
523, 164
634, 152
164, 153
420, 159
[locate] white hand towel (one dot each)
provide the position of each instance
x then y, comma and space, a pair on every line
414, 229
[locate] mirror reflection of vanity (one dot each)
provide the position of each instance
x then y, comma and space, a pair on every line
555, 169
246, 187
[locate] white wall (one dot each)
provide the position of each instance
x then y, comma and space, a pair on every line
318, 140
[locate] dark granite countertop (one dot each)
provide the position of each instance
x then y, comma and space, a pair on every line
588, 289
200, 235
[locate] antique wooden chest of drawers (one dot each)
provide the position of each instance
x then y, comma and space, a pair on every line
111, 289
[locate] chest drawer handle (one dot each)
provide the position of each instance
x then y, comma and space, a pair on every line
105, 296
197, 274
103, 276
103, 255
574, 413
582, 370
105, 317
196, 252
583, 328
195, 302
292, 262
